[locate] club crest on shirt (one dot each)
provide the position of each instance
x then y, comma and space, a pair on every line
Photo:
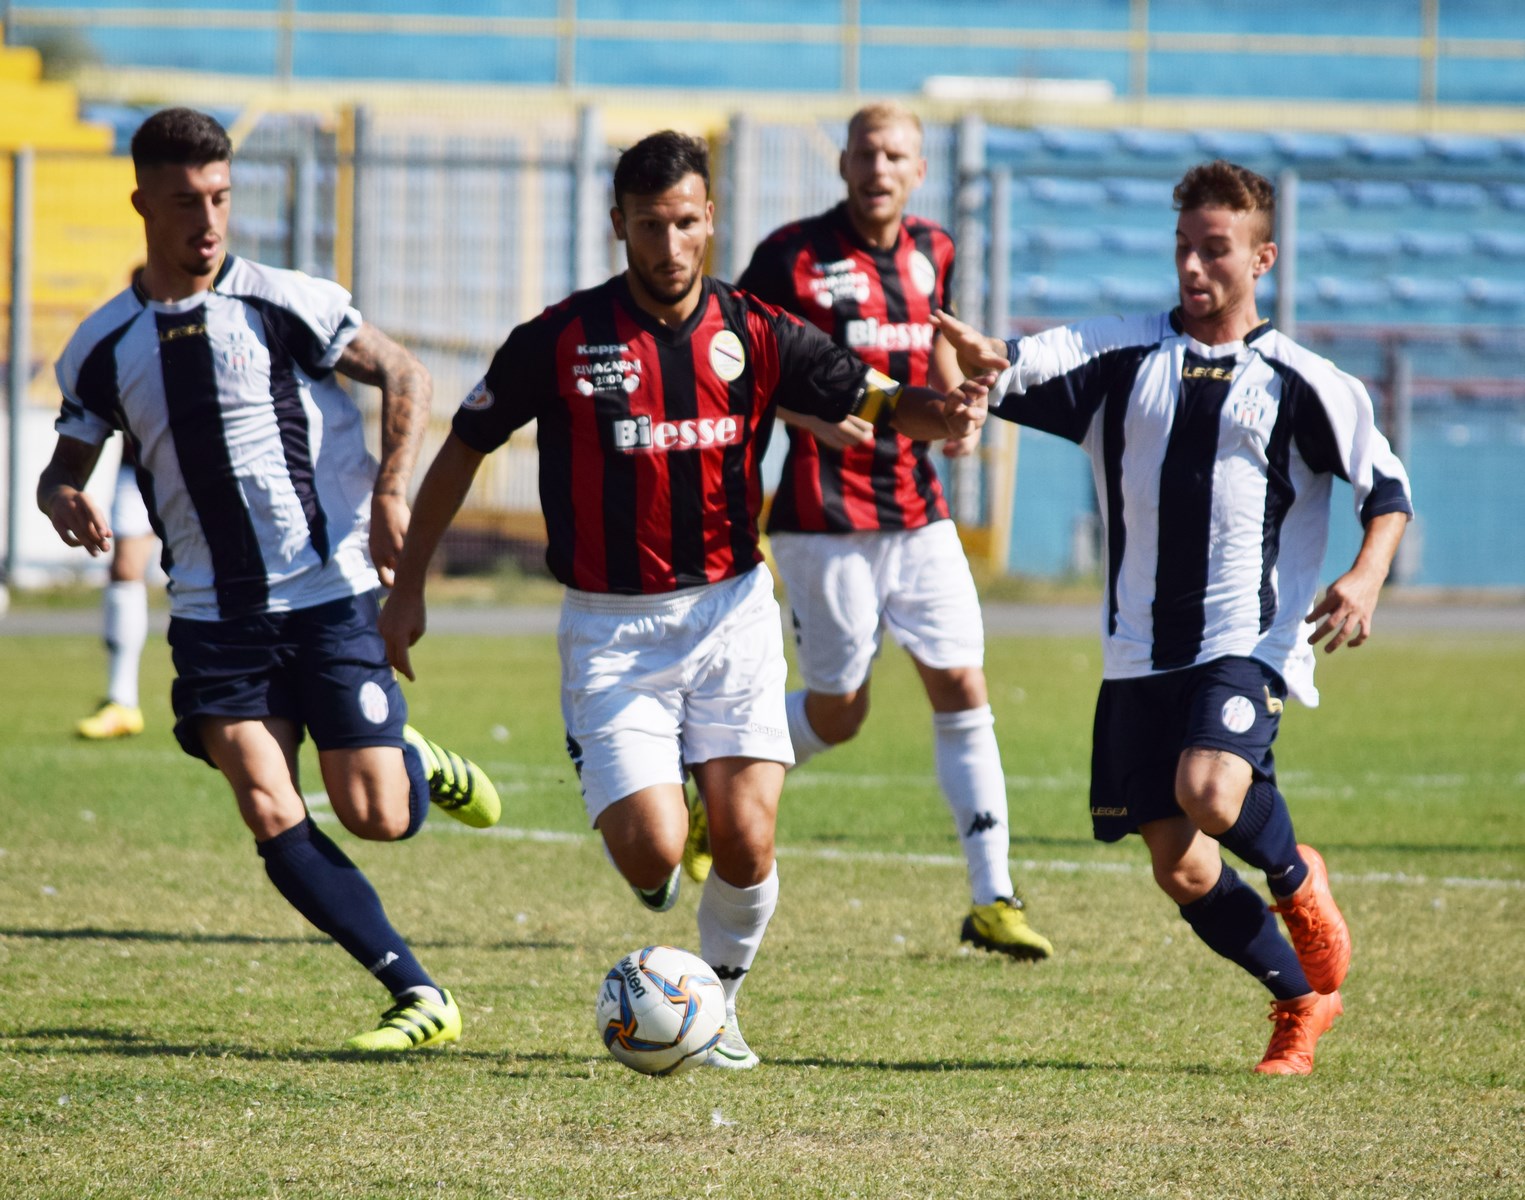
727, 358
235, 351
923, 273
479, 397
1249, 410
1238, 714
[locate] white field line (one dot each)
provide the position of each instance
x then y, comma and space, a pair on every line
318, 801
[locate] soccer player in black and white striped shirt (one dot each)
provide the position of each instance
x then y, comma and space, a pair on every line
1213, 440
275, 521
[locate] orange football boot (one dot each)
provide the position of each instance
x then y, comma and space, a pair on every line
1315, 927
1299, 1025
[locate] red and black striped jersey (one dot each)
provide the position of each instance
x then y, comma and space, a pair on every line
878, 304
651, 439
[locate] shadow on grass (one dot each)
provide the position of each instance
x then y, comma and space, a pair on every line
124, 1043
92, 933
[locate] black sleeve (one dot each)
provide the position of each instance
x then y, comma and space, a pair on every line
768, 276
820, 378
520, 379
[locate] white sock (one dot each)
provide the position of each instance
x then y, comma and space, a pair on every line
731, 925
969, 770
421, 992
126, 629
807, 743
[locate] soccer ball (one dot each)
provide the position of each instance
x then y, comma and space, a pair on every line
660, 1010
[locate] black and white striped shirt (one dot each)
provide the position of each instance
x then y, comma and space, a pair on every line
252, 457
1213, 467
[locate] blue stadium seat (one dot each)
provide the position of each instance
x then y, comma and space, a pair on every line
1156, 143
1465, 149
1077, 143
1441, 193
1375, 193
1005, 143
1361, 243
1064, 239
1237, 145
1439, 244
1071, 294
1350, 293
1153, 194
1496, 293
1121, 240
1422, 292
1310, 147
1513, 147
1317, 193
1511, 195
1387, 147
1499, 243
1066, 193
1132, 293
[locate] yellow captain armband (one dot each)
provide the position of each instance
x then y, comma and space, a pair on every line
879, 397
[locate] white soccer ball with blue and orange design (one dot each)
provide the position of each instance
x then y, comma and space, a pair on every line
660, 1010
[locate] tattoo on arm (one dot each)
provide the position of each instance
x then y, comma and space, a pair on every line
406, 399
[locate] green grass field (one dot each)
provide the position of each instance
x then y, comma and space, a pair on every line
169, 1025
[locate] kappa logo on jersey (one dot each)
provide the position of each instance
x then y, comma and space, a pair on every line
727, 358
874, 334
694, 433
479, 397
840, 280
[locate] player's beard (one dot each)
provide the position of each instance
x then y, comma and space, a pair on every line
665, 291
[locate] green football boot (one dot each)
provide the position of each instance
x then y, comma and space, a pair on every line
456, 784
411, 1024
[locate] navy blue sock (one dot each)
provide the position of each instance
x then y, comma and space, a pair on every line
325, 887
1263, 837
1235, 922
418, 790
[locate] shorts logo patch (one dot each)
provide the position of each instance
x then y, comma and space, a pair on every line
1238, 714
373, 703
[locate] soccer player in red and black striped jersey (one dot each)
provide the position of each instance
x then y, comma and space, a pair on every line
859, 526
654, 395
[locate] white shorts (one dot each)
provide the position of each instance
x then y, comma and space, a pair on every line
650, 683
845, 589
129, 515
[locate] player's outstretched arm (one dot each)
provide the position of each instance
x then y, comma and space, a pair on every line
1345, 612
406, 399
62, 499
977, 353
927, 416
405, 617
846, 433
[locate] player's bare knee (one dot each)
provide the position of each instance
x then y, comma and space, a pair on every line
837, 719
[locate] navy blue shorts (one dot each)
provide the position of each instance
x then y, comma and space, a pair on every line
1142, 725
324, 668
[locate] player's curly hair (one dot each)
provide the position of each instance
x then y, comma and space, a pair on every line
180, 137
1222, 184
658, 161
